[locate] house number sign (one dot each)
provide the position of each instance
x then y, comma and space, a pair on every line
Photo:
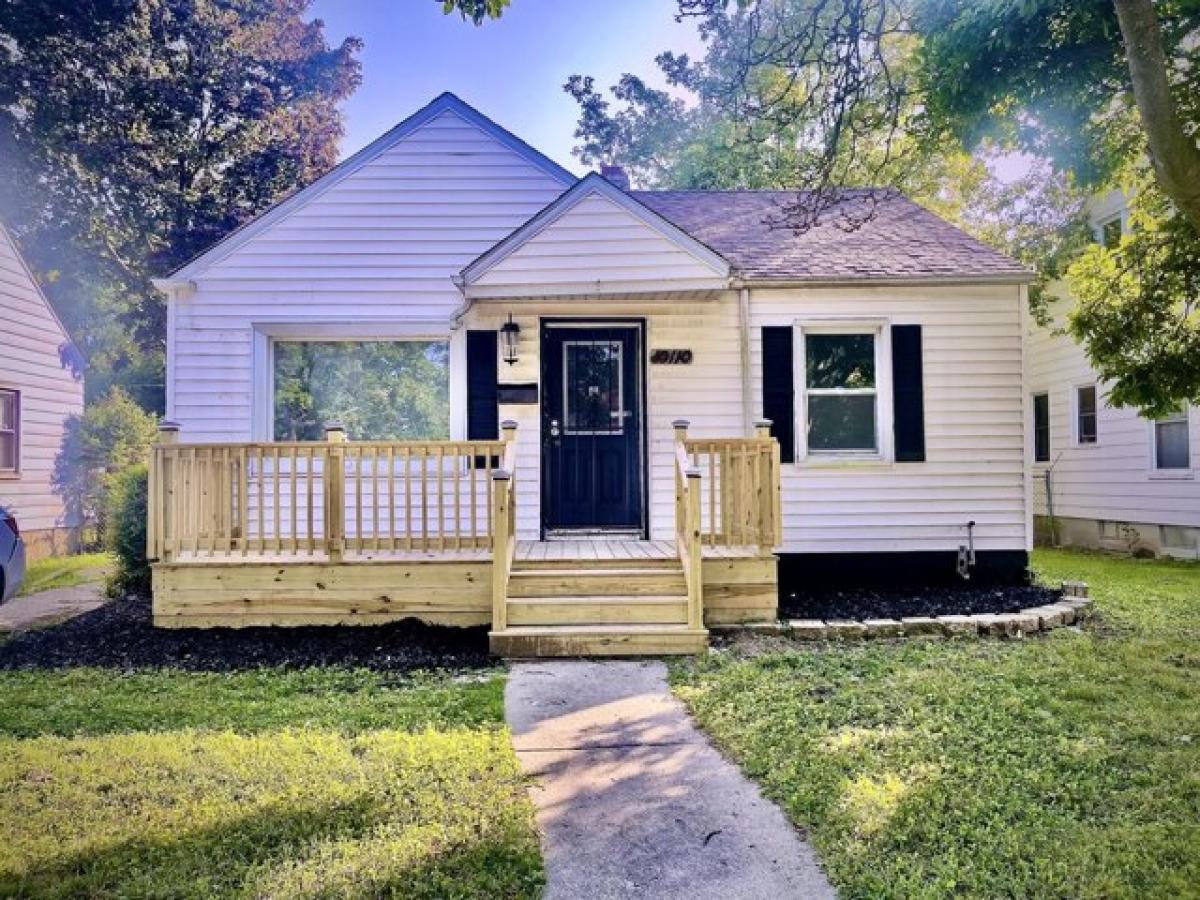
664, 357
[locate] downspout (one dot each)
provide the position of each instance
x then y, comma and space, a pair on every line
744, 347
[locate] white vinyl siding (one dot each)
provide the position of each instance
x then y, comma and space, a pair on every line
974, 427
1116, 479
595, 246
31, 370
372, 256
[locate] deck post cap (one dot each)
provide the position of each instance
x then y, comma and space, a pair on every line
508, 424
763, 423
168, 425
680, 423
500, 475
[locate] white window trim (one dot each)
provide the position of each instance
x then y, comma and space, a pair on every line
1075, 388
265, 334
1157, 474
1101, 224
14, 473
880, 328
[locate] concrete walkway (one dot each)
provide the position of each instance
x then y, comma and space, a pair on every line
50, 607
632, 801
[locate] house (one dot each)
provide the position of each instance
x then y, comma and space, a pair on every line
38, 391
449, 278
1105, 477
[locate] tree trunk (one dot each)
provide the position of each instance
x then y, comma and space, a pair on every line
1173, 152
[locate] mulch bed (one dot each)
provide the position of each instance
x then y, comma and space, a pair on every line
121, 636
896, 603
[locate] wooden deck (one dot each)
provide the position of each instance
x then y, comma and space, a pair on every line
336, 533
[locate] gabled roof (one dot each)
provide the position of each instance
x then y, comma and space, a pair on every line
15, 251
594, 185
901, 241
443, 103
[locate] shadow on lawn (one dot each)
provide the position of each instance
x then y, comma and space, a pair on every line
278, 851
121, 635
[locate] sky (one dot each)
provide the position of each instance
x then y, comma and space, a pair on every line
512, 69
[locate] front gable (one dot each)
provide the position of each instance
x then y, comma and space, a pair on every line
446, 183
595, 239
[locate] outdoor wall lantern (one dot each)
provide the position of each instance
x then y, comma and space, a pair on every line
509, 332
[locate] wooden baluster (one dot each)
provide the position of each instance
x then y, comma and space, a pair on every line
424, 498
243, 457
408, 524
472, 454
391, 492
457, 475
441, 497
374, 497
766, 524
681, 427
310, 474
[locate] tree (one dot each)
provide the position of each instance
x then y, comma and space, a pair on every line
475, 10
112, 435
820, 94
139, 132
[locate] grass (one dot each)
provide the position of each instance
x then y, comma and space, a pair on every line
64, 571
1062, 766
310, 783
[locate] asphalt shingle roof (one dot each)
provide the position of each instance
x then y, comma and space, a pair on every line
901, 240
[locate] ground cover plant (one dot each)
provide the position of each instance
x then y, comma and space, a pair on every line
64, 571
1056, 766
297, 782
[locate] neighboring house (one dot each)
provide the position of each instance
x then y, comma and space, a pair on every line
1109, 477
451, 276
37, 394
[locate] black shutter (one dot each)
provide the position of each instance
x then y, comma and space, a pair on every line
778, 388
483, 410
908, 394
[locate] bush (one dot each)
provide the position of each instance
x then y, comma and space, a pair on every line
112, 435
126, 517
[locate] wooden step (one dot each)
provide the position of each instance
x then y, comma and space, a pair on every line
526, 642
602, 610
649, 562
592, 582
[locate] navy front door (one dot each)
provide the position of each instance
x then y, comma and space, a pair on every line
592, 426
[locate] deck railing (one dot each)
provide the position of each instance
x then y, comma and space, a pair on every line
504, 528
313, 497
687, 526
740, 489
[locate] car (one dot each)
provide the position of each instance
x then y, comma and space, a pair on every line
12, 555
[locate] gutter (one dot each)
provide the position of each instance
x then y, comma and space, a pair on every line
744, 348
885, 280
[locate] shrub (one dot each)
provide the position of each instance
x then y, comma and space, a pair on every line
126, 516
111, 435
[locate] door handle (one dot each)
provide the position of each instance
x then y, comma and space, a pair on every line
554, 428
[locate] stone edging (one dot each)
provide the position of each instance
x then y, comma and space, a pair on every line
1075, 606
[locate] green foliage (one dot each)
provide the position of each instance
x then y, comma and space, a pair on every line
475, 10
1061, 766
64, 571
328, 783
126, 532
107, 439
1138, 309
379, 390
137, 133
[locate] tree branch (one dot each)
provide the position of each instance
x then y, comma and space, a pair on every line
1173, 152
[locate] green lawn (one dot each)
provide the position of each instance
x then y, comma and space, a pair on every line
1062, 766
312, 783
64, 571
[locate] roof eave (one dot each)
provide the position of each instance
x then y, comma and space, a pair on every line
884, 280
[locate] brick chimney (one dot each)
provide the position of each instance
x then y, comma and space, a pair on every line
616, 175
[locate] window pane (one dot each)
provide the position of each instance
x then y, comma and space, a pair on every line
840, 360
841, 422
592, 387
8, 452
1086, 407
1171, 449
8, 411
1110, 233
380, 390
1041, 427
